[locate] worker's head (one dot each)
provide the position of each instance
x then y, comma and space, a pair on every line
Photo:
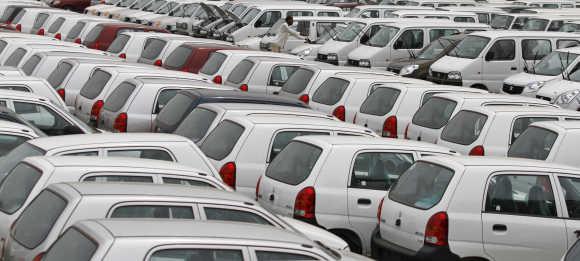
289, 20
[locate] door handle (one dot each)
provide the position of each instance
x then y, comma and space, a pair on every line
514, 68
499, 228
271, 197
364, 201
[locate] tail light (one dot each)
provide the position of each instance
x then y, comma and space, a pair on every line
228, 174
58, 36
244, 87
62, 93
477, 151
78, 40
121, 122
96, 110
96, 45
38, 257
258, 187
340, 112
390, 127
40, 31
407, 131
217, 79
19, 27
304, 205
304, 98
123, 56
437, 229
380, 210
158, 63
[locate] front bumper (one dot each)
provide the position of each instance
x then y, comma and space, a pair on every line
512, 89
385, 250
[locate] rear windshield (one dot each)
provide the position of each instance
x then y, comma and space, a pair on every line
95, 84
17, 186
421, 186
10, 160
176, 60
380, 101
72, 245
59, 74
213, 64
93, 34
118, 44
330, 91
240, 72
119, 97
221, 140
56, 25
435, 113
175, 110
533, 143
294, 163
196, 124
153, 48
2, 46
75, 31
37, 219
30, 65
464, 128
574, 252
297, 82
14, 58
39, 21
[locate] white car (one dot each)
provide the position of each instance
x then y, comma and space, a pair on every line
449, 208
46, 18
129, 45
35, 85
338, 182
12, 135
81, 29
22, 54
62, 25
41, 64
157, 48
26, 19
13, 43
242, 146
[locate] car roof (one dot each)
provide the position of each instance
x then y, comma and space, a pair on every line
169, 80
558, 125
10, 94
9, 126
261, 107
4, 79
296, 120
370, 141
104, 62
524, 110
511, 33
83, 54
276, 59
49, 143
411, 22
489, 96
85, 161
496, 161
141, 33
225, 95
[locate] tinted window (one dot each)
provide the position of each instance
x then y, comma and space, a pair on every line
56, 25
521, 124
42, 117
30, 65
533, 143
75, 31
197, 254
163, 98
464, 128
268, 255
224, 214
196, 124
213, 64
220, 142
119, 97
294, 163
280, 75
379, 170
95, 84
176, 60
464, 19
566, 43
283, 138
153, 48
189, 182
380, 101
9, 142
298, 81
37, 219
72, 245
59, 74
410, 39
435, 113
174, 110
93, 34
17, 186
15, 88
81, 153
535, 49
141, 153
39, 21
422, 185
240, 72
299, 13
118, 178
483, 18
470, 47
15, 58
330, 91
434, 34
268, 19
119, 43
10, 160
521, 194
176, 212
571, 189
502, 50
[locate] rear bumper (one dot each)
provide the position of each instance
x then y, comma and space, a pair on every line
385, 250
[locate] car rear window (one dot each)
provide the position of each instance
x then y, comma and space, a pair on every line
380, 101
233, 215
294, 163
435, 113
222, 139
59, 74
196, 124
298, 81
15, 58
153, 47
118, 44
56, 25
75, 31
176, 60
240, 72
17, 186
464, 128
39, 21
10, 160
2, 46
175, 110
422, 186
30, 65
72, 245
93, 34
330, 91
213, 64
37, 219
119, 97
533, 143
95, 84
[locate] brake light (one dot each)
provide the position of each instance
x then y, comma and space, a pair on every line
304, 98
96, 110
228, 174
339, 113
158, 63
121, 122
78, 40
58, 36
407, 131
380, 210
38, 257
477, 151
390, 127
123, 56
61, 93
244, 87
217, 79
437, 229
258, 188
40, 31
304, 205
19, 27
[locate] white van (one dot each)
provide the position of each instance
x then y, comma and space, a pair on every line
546, 4
401, 39
484, 13
466, 17
381, 11
511, 21
484, 59
436, 3
547, 22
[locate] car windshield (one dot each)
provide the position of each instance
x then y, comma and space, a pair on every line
380, 101
154, 5
139, 4
185, 10
501, 21
434, 49
535, 24
554, 63
220, 142
327, 32
294, 163
350, 32
249, 16
383, 36
10, 160
533, 143
17, 186
470, 47
126, 3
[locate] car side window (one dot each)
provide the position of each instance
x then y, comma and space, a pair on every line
81, 153
529, 195
483, 18
571, 188
182, 254
535, 49
329, 14
162, 99
156, 154
565, 43
299, 13
284, 137
42, 117
268, 19
280, 74
502, 50
434, 34
274, 255
118, 178
189, 182
464, 19
370, 14
153, 211
379, 170
521, 124
226, 214
410, 39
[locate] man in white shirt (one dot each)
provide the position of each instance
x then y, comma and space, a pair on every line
283, 34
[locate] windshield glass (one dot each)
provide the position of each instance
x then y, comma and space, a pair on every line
470, 47
535, 24
126, 3
328, 31
533, 143
501, 21
196, 124
554, 63
434, 49
139, 4
185, 10
350, 32
249, 16
382, 37
154, 5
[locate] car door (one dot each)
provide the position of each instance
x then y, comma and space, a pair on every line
521, 218
569, 193
500, 61
409, 41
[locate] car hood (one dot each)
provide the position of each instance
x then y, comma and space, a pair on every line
250, 43
449, 64
332, 47
522, 79
302, 48
557, 87
364, 52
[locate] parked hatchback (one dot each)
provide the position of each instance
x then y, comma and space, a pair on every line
103, 34
190, 57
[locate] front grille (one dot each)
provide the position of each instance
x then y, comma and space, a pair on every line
264, 46
544, 98
512, 89
394, 70
439, 75
353, 62
322, 57
138, 21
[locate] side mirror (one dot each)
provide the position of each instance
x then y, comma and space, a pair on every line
489, 56
364, 38
69, 129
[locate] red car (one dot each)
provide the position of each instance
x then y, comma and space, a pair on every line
74, 5
102, 35
190, 57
